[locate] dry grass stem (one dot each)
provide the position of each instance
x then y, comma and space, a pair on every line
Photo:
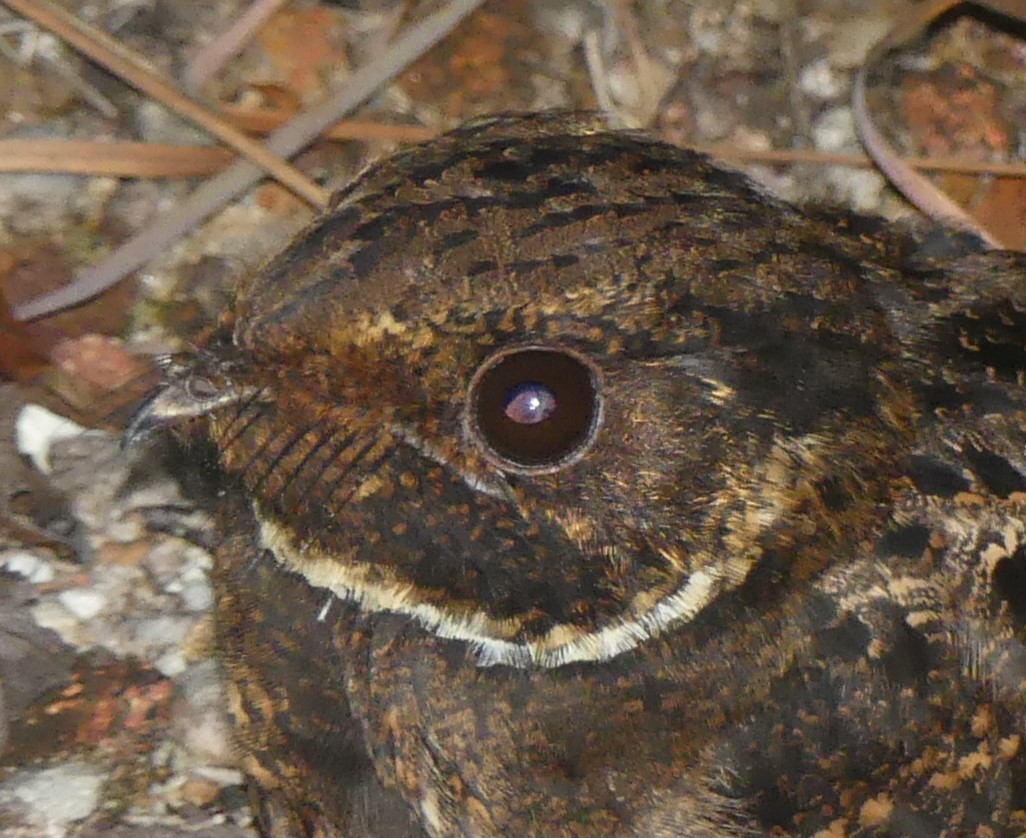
156, 160
227, 44
242, 175
106, 51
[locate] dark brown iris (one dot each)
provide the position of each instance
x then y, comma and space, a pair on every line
534, 407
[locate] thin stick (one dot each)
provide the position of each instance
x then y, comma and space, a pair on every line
209, 60
917, 189
106, 51
265, 120
157, 160
861, 161
118, 159
240, 176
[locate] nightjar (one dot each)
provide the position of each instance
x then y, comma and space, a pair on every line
570, 485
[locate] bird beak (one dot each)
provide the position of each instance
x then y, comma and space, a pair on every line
191, 388
160, 409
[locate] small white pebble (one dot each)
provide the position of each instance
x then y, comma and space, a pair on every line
171, 664
860, 190
198, 596
126, 529
84, 604
819, 79
569, 19
161, 632
835, 130
207, 738
37, 428
61, 795
52, 615
219, 775
194, 573
198, 558
34, 569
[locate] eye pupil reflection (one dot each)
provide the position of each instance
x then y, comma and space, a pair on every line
530, 403
534, 408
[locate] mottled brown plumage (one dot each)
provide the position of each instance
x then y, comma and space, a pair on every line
571, 485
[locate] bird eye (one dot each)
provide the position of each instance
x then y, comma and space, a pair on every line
534, 408
201, 388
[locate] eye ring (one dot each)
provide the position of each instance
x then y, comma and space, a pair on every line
534, 409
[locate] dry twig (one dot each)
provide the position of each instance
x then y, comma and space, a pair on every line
155, 160
916, 188
241, 175
106, 51
226, 45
